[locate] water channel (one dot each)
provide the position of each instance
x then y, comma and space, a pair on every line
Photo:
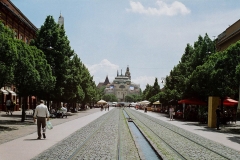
144, 146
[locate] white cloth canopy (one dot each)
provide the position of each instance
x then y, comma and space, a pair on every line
101, 102
144, 102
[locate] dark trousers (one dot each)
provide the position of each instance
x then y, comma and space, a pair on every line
41, 123
218, 122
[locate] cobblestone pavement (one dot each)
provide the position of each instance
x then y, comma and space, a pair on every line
12, 128
97, 140
181, 140
100, 138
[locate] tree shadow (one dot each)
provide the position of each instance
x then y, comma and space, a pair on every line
3, 128
16, 122
235, 139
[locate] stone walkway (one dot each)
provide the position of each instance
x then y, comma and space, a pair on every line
12, 128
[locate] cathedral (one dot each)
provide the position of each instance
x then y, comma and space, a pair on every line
121, 86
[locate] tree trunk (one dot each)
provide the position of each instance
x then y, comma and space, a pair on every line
24, 103
83, 106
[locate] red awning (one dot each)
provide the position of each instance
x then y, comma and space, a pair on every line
192, 101
229, 102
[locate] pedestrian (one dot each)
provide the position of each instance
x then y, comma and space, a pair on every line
218, 114
171, 110
13, 104
108, 107
8, 106
41, 113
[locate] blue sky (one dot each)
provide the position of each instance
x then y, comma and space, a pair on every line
149, 36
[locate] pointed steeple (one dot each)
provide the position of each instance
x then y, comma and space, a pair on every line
117, 73
106, 81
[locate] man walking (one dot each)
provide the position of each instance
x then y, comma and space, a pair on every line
41, 113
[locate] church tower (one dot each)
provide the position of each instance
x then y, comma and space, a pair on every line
61, 20
127, 73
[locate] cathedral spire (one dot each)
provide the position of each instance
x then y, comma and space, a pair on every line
106, 80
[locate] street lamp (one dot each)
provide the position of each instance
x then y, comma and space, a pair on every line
50, 47
163, 79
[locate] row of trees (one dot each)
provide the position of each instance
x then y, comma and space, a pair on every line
55, 74
201, 72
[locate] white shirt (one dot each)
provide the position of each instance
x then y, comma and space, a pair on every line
41, 111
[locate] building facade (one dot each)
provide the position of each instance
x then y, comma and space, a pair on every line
122, 86
230, 36
24, 30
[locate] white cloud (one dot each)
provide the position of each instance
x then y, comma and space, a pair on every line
103, 66
101, 70
144, 80
163, 8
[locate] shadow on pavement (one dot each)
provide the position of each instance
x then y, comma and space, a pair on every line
2, 128
35, 139
234, 139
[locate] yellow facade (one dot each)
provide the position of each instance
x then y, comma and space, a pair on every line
213, 103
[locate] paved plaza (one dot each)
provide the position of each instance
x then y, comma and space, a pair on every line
19, 141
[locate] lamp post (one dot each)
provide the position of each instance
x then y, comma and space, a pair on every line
163, 79
92, 103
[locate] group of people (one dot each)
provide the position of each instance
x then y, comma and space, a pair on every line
105, 106
10, 104
60, 112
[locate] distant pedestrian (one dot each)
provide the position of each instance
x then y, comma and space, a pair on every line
171, 110
13, 104
108, 107
41, 113
218, 114
8, 106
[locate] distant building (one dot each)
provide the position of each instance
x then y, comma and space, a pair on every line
12, 17
61, 20
230, 36
121, 86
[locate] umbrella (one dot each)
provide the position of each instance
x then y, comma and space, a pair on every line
192, 101
229, 102
157, 102
144, 102
101, 102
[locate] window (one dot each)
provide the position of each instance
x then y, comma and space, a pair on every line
15, 34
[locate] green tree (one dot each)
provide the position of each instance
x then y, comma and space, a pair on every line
8, 55
73, 91
51, 34
110, 98
31, 73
